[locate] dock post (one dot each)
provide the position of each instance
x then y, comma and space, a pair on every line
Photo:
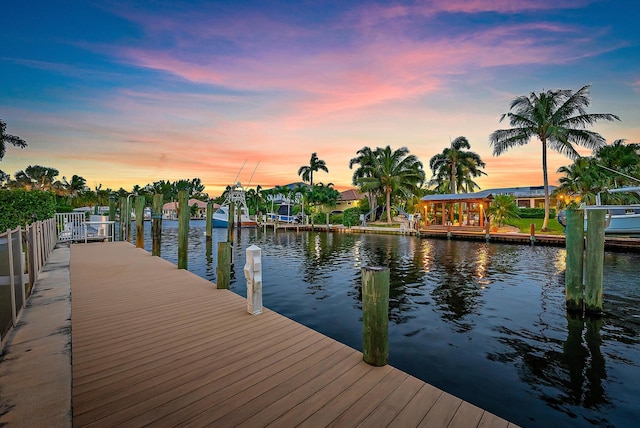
112, 208
140, 200
183, 228
574, 243
487, 228
123, 217
223, 270
532, 233
327, 220
448, 231
156, 225
253, 275
375, 315
230, 228
209, 221
595, 260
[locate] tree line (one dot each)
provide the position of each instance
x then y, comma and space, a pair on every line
558, 119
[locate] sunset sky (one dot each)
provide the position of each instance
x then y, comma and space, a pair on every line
124, 92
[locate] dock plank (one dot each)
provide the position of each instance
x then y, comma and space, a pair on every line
155, 345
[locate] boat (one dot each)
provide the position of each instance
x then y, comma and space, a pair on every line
284, 214
237, 197
620, 219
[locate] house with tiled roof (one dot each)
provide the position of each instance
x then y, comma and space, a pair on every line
170, 209
349, 199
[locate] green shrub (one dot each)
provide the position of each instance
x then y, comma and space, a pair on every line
351, 217
64, 209
536, 212
20, 207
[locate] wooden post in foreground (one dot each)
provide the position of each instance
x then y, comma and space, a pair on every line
375, 315
223, 270
156, 225
183, 228
140, 200
574, 243
595, 261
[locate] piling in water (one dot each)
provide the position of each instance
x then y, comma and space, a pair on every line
574, 243
140, 200
223, 270
209, 221
112, 209
156, 224
375, 315
595, 261
183, 228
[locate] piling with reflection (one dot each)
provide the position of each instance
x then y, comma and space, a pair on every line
595, 260
375, 315
183, 228
156, 224
223, 270
574, 242
140, 200
209, 221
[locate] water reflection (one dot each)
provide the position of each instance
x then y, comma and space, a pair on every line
485, 322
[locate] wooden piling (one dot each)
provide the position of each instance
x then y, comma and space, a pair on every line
574, 243
209, 221
532, 233
595, 259
112, 209
140, 200
223, 270
156, 225
183, 228
375, 315
230, 223
123, 218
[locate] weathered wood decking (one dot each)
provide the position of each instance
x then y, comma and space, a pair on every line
156, 345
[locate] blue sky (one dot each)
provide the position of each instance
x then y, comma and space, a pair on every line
126, 93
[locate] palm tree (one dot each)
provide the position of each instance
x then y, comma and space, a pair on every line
393, 172
315, 164
8, 139
503, 208
558, 118
456, 167
36, 176
366, 157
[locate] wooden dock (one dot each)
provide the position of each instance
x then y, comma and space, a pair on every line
154, 345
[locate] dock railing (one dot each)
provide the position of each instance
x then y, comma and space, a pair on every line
76, 228
23, 253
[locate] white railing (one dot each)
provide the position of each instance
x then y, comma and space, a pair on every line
74, 227
23, 252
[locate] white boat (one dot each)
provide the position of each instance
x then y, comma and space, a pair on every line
284, 215
621, 219
237, 197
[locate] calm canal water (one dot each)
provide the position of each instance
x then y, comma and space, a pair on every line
485, 322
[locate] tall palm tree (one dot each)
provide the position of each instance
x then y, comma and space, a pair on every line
457, 167
315, 164
394, 172
8, 139
366, 157
558, 118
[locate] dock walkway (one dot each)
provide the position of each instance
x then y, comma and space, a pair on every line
156, 345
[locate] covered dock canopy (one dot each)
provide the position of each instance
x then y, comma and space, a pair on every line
457, 209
